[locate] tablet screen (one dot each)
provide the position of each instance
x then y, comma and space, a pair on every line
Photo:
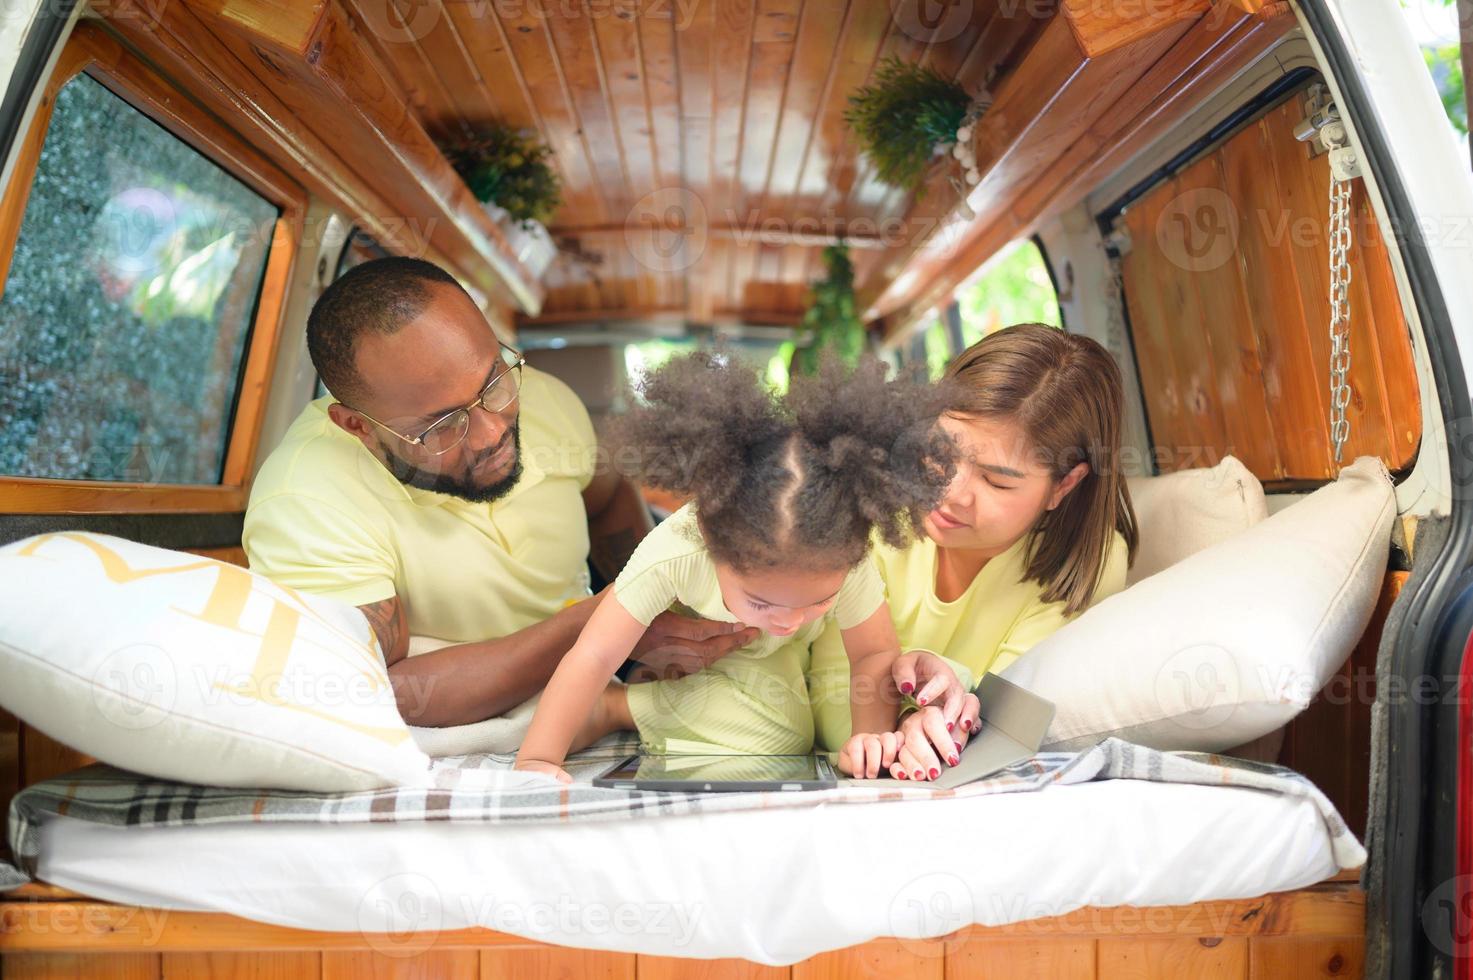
719, 768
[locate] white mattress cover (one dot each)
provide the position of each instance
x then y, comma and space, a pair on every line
773, 886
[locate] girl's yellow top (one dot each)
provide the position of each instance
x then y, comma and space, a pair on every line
672, 566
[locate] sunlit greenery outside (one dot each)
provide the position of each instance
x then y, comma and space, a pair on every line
128, 302
1434, 25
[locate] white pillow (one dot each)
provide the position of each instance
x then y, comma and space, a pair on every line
1231, 643
185, 668
1181, 513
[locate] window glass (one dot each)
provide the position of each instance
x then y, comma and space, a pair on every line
129, 300
1011, 287
359, 249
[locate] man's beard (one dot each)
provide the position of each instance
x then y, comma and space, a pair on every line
456, 486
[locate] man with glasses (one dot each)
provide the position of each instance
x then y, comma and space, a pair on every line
452, 493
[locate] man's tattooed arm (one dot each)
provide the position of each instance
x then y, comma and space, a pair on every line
387, 620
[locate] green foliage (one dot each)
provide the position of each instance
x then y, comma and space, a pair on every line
510, 169
832, 322
1446, 65
902, 116
938, 349
1014, 287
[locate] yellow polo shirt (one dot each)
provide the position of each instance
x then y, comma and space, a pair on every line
996, 620
326, 517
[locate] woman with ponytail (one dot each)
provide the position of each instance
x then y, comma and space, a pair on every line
785, 499
1036, 525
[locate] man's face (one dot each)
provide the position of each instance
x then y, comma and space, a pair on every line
437, 363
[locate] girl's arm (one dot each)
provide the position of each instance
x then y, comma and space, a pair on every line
577, 684
874, 701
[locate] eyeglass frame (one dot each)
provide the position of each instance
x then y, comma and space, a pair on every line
514, 368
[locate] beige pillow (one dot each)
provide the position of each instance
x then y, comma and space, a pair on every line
185, 668
1179, 514
1226, 645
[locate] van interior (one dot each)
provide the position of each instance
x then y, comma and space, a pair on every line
1155, 176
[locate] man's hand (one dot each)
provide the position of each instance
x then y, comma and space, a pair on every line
674, 645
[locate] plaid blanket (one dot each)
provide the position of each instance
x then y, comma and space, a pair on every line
483, 788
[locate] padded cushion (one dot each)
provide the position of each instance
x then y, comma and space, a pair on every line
1230, 643
185, 668
1180, 514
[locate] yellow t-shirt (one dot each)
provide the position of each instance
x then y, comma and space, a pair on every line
326, 517
671, 565
995, 621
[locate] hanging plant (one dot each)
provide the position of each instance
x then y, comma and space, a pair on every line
908, 114
832, 321
511, 169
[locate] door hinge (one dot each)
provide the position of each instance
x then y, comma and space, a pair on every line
1324, 130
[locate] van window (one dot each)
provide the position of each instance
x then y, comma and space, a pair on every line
128, 303
1013, 286
359, 248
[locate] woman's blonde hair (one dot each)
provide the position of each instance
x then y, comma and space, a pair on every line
1064, 392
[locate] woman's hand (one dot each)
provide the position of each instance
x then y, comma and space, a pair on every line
927, 740
866, 755
931, 680
545, 768
947, 719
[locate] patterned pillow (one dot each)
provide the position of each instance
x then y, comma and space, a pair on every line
187, 668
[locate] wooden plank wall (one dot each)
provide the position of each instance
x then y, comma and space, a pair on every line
1232, 958
1316, 931
1227, 286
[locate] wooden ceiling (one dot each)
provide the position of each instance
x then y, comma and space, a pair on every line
700, 142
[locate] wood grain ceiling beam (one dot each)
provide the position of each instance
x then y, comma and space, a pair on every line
320, 64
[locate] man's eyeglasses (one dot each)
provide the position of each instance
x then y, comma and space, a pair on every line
448, 431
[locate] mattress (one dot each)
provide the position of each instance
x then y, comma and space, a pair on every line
772, 885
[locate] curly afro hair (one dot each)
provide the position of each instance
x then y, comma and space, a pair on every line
801, 481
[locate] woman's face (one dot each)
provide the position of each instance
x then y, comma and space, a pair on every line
1001, 488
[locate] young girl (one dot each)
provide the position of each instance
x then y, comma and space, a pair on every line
785, 497
1036, 525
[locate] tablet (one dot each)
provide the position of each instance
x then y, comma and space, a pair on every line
719, 773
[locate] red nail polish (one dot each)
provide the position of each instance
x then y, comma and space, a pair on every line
949, 726
907, 687
966, 724
958, 746
935, 773
901, 774
953, 760
919, 774
921, 702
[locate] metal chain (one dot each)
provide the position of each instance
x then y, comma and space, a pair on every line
1339, 233
1114, 309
